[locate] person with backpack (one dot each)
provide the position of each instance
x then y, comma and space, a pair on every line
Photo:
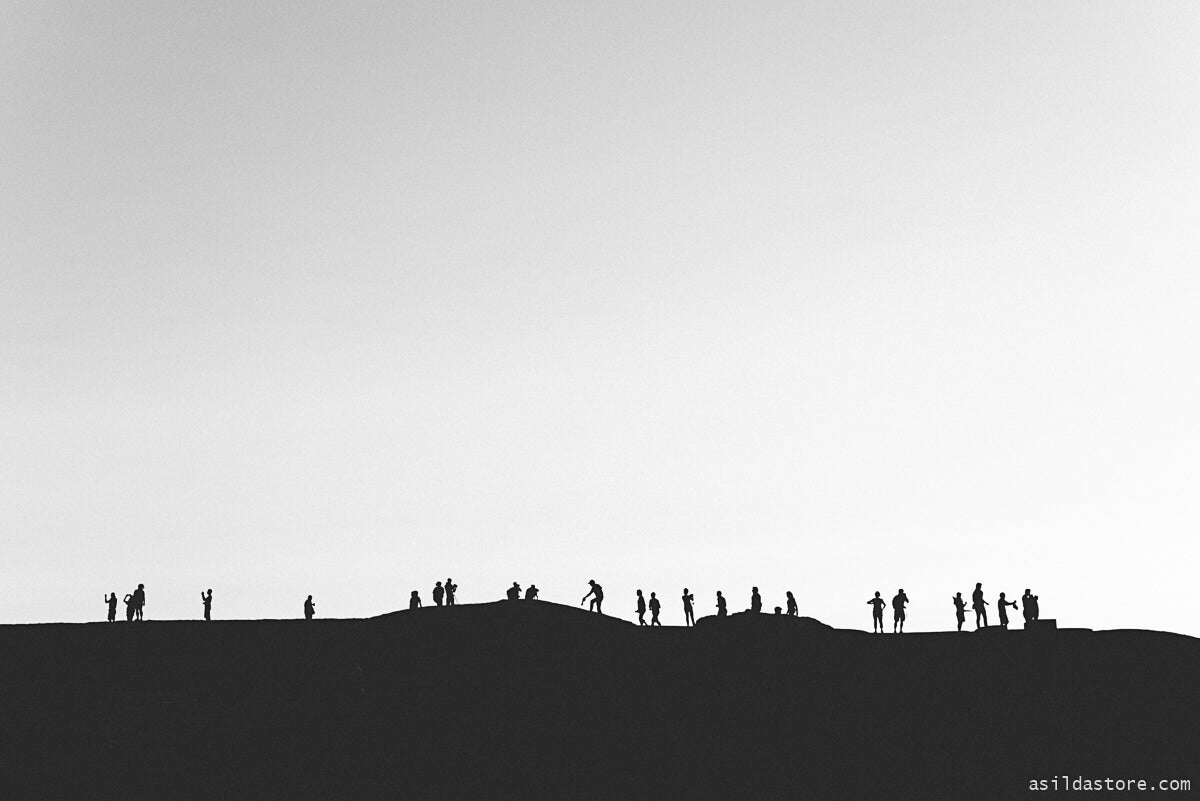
655, 606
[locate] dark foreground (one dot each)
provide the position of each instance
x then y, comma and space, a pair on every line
539, 701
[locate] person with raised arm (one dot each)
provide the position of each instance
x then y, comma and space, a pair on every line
111, 600
1001, 608
877, 604
960, 609
898, 604
207, 601
689, 614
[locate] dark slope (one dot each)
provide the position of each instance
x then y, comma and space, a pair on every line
535, 700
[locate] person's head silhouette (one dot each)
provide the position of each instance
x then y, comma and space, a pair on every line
1002, 595
978, 585
438, 584
639, 592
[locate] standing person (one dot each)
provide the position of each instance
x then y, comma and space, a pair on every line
111, 600
207, 601
960, 609
641, 609
1027, 601
450, 588
1037, 610
755, 600
654, 607
898, 608
597, 593
129, 607
792, 608
689, 615
722, 609
1000, 606
531, 593
438, 593
139, 601
979, 605
310, 608
877, 604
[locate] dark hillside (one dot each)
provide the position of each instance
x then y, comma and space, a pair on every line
533, 700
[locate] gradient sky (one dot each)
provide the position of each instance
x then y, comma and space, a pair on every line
831, 297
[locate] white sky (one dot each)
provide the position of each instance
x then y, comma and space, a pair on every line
829, 297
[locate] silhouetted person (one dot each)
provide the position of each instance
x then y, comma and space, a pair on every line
310, 609
531, 593
792, 608
514, 592
898, 609
129, 607
641, 609
722, 610
654, 607
414, 600
439, 592
111, 600
689, 615
139, 601
1000, 606
960, 609
755, 600
450, 588
877, 604
979, 605
1029, 602
207, 601
597, 593
779, 610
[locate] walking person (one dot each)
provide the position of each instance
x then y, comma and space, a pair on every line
689, 615
722, 609
654, 607
641, 609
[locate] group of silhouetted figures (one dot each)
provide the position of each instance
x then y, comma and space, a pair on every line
979, 606
444, 594
135, 602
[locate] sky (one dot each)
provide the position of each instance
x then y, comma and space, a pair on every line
345, 299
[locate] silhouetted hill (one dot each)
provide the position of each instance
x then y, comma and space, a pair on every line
532, 700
